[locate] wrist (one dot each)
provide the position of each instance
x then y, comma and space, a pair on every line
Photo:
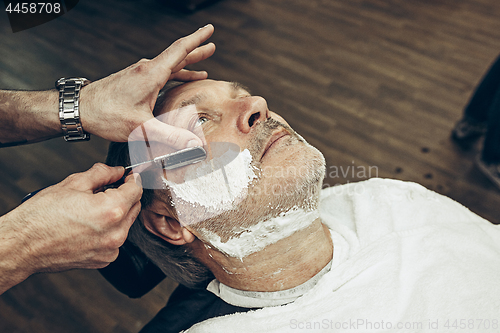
49, 101
86, 109
15, 265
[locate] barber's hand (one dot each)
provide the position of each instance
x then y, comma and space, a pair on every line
114, 106
74, 224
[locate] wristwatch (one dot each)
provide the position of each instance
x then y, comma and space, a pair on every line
69, 107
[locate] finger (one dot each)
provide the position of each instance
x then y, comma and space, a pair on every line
131, 216
97, 177
187, 75
104, 259
129, 193
197, 55
113, 256
136, 177
179, 50
175, 137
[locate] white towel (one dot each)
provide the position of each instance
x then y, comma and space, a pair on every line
406, 259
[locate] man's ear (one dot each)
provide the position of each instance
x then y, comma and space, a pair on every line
166, 228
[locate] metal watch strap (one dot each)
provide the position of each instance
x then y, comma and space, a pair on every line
69, 108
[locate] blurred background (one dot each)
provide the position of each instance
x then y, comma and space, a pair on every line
376, 85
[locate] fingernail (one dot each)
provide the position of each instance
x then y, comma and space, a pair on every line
204, 27
137, 179
193, 143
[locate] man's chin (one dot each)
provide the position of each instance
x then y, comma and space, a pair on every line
293, 182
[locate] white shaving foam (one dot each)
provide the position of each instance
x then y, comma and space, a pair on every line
263, 234
216, 184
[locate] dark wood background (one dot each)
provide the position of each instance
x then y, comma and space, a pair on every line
371, 83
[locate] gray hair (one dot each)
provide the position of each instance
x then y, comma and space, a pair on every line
176, 261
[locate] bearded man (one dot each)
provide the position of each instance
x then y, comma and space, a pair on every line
276, 253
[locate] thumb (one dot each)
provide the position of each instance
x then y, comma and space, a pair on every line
172, 136
98, 176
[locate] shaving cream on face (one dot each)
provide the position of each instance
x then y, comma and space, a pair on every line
257, 237
216, 185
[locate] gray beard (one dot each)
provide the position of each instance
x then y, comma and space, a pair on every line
266, 200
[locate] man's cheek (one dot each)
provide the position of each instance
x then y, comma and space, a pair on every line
221, 135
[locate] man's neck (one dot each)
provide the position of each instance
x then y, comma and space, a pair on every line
280, 266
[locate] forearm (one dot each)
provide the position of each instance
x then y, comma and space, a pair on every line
72, 224
14, 266
28, 116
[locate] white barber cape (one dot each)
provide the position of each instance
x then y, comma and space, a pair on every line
405, 259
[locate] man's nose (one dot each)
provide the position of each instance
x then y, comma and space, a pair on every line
252, 110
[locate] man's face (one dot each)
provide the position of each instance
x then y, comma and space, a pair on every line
288, 171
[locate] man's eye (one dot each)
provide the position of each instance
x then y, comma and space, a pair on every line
201, 120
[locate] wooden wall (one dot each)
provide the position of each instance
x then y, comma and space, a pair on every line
376, 85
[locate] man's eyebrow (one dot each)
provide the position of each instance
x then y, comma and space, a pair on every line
196, 99
236, 87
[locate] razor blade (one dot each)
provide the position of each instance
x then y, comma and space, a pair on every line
174, 160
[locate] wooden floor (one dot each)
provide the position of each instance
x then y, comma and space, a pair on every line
376, 85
